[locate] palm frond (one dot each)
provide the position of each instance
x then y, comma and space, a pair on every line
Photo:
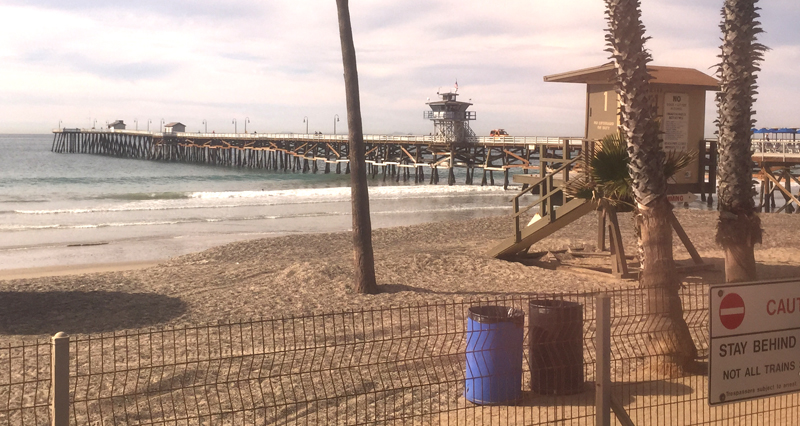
610, 179
676, 161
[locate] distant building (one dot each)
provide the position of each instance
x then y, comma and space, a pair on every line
174, 127
117, 125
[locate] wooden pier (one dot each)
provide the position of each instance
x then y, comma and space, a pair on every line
776, 168
417, 158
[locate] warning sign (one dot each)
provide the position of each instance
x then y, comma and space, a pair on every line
681, 198
731, 311
754, 330
676, 121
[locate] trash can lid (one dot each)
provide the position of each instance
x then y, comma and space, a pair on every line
553, 304
492, 314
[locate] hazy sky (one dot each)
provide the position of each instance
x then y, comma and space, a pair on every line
277, 61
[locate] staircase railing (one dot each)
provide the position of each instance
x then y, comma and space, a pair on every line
547, 188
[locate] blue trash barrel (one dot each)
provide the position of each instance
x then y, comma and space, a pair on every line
494, 354
556, 347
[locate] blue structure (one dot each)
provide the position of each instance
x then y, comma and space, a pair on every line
494, 354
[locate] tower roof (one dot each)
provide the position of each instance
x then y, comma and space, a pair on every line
448, 98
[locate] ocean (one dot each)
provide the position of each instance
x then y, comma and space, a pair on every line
72, 209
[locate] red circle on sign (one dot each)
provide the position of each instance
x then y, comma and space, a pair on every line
731, 311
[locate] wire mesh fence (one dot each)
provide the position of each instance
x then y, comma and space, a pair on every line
396, 365
25, 383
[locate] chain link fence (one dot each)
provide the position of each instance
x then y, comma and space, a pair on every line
393, 365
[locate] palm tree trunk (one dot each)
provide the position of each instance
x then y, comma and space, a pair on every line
359, 194
739, 227
669, 335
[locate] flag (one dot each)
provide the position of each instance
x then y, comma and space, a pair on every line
456, 85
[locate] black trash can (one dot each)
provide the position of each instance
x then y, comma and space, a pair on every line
555, 341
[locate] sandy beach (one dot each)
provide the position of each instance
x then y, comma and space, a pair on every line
296, 275
59, 270
311, 273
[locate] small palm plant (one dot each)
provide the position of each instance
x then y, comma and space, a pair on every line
608, 178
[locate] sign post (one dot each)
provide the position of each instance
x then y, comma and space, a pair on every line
754, 330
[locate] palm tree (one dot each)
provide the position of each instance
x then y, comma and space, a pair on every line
359, 193
669, 333
608, 177
738, 228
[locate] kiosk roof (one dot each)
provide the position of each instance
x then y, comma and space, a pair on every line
604, 74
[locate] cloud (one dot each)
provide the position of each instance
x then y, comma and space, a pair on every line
229, 9
103, 67
279, 61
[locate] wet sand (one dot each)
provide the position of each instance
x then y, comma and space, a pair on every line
61, 270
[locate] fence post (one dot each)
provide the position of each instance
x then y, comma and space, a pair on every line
602, 371
59, 379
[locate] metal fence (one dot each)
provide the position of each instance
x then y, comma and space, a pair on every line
394, 365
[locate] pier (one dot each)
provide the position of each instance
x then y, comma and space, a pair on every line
776, 162
451, 145
417, 158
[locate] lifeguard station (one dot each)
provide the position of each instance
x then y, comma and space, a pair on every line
450, 118
679, 95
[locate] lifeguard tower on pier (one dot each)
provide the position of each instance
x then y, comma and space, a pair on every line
450, 118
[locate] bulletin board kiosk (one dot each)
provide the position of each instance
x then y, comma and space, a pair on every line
680, 98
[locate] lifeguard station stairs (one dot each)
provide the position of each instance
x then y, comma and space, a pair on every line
556, 210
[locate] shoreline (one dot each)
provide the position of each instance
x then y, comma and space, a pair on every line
202, 244
76, 269
122, 252
301, 274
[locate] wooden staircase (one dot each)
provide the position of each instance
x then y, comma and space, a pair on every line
542, 228
556, 209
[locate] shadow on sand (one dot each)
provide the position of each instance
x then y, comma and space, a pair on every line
32, 313
626, 392
398, 288
764, 271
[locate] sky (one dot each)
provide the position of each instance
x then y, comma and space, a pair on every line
273, 64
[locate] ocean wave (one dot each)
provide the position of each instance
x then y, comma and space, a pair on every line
137, 196
21, 200
233, 199
137, 179
383, 192
14, 228
125, 209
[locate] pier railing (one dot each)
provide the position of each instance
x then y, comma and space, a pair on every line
495, 140
777, 148
760, 145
